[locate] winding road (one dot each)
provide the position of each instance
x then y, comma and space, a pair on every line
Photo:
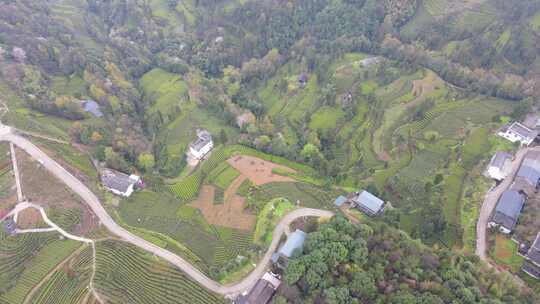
7, 134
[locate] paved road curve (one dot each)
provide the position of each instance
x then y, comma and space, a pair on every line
490, 201
93, 202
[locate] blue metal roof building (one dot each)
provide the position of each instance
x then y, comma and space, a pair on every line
294, 242
92, 107
340, 201
368, 203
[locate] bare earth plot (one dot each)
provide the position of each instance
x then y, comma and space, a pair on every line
259, 171
232, 212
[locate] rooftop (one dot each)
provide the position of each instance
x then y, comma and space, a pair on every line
262, 292
522, 130
10, 226
508, 209
294, 241
203, 138
499, 159
92, 107
530, 168
534, 252
117, 180
369, 201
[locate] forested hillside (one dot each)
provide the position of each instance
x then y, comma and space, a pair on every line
397, 96
343, 263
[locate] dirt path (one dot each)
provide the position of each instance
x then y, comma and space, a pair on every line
16, 173
30, 295
230, 193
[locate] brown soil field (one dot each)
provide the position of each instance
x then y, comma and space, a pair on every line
259, 171
30, 218
229, 214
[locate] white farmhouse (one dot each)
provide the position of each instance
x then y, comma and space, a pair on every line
119, 183
500, 166
516, 132
202, 145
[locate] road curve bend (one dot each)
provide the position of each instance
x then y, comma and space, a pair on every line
93, 202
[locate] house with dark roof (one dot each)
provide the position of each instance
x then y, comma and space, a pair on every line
262, 292
532, 264
517, 132
92, 107
202, 145
507, 211
500, 165
367, 202
294, 243
530, 168
119, 183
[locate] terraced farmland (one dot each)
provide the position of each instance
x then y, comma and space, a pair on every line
127, 275
26, 259
67, 285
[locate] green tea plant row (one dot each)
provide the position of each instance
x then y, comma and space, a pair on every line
68, 285
233, 243
430, 115
28, 258
127, 275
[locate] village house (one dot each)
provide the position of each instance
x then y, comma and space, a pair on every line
340, 200
500, 166
294, 243
202, 145
517, 132
92, 107
530, 168
507, 211
367, 202
531, 266
262, 292
120, 183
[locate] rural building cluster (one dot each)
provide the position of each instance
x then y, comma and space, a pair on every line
523, 188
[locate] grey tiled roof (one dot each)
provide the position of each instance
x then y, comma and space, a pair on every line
499, 159
203, 138
534, 251
340, 200
116, 180
369, 201
522, 130
508, 209
530, 168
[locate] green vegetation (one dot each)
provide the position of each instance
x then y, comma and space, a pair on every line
126, 274
26, 259
269, 216
67, 285
223, 176
345, 263
505, 253
167, 89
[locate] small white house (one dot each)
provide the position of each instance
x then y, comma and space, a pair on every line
500, 166
202, 145
119, 183
516, 132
